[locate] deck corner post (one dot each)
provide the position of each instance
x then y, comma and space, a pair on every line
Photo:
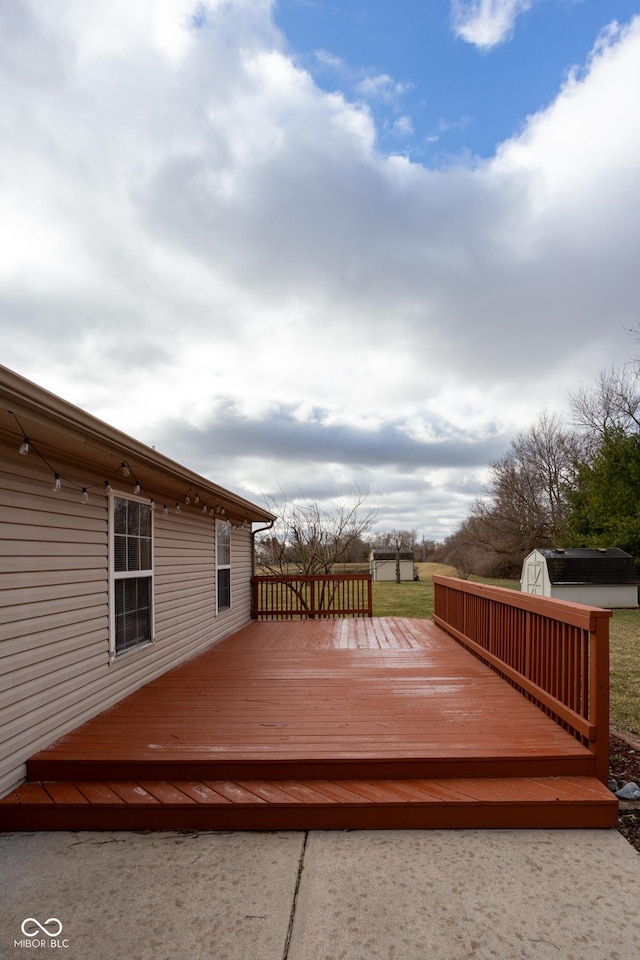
254, 598
599, 691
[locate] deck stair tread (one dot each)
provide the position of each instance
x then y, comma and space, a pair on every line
311, 804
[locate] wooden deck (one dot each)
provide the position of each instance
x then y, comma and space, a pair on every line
366, 723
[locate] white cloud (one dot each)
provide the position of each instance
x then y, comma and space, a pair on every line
195, 238
487, 23
403, 126
380, 86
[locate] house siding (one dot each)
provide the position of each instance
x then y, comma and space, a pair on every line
55, 670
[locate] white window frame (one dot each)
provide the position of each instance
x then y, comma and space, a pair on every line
115, 576
221, 525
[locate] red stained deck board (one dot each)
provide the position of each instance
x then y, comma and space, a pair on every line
413, 790
10, 799
235, 792
33, 793
133, 793
99, 793
313, 725
309, 792
499, 789
166, 793
383, 805
65, 793
310, 692
200, 792
270, 792
338, 791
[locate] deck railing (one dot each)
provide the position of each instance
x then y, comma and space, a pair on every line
553, 651
307, 597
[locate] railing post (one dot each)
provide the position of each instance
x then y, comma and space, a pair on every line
599, 693
254, 598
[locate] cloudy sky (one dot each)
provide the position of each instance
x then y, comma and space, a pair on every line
311, 244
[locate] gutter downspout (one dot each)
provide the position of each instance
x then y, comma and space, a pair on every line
253, 563
253, 543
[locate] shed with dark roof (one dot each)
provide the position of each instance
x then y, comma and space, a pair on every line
603, 577
382, 565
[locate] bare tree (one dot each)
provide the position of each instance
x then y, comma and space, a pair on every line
527, 502
463, 551
543, 461
310, 539
612, 403
390, 539
427, 549
396, 541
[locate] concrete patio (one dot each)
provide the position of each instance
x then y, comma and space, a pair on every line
361, 895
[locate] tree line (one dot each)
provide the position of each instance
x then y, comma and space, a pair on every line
309, 539
562, 483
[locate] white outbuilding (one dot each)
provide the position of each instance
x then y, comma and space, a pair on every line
600, 577
382, 565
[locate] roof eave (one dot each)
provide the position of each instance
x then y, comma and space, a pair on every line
22, 396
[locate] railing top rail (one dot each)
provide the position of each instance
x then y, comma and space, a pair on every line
576, 614
287, 578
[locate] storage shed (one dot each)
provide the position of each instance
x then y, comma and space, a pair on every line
603, 577
382, 565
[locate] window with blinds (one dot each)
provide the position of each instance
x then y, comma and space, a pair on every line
132, 573
223, 566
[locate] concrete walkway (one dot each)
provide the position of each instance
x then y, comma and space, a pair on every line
397, 895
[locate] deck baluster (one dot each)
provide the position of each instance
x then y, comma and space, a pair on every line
309, 597
564, 667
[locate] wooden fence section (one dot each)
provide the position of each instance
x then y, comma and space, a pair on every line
309, 597
555, 652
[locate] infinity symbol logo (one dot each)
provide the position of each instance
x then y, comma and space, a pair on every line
32, 931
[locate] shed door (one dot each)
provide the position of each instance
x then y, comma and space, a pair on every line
535, 578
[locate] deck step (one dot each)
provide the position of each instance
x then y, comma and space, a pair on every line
53, 765
477, 802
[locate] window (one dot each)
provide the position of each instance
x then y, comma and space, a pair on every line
223, 566
131, 581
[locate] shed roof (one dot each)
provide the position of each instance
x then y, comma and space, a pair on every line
391, 554
590, 565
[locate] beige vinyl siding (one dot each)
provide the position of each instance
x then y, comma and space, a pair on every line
54, 631
184, 580
53, 608
241, 561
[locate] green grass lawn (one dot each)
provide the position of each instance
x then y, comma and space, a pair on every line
416, 600
624, 635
